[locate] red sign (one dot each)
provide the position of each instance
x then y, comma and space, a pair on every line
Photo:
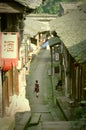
8, 49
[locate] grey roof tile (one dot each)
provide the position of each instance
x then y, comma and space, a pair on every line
72, 30
30, 3
53, 41
78, 51
32, 27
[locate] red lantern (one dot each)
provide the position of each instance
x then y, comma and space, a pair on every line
6, 68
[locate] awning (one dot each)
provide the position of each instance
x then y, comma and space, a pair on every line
54, 41
9, 8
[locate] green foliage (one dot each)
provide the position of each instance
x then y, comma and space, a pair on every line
40, 10
80, 113
51, 6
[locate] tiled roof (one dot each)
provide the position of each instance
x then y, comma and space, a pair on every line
69, 5
82, 7
72, 30
9, 8
32, 27
30, 3
78, 51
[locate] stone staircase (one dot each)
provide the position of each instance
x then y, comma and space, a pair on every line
56, 125
23, 120
30, 121
61, 125
35, 119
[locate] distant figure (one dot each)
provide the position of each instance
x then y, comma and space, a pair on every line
54, 34
36, 89
59, 85
46, 43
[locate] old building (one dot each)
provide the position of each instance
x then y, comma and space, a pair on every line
71, 28
12, 16
67, 7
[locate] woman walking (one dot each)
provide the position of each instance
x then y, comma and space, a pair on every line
36, 89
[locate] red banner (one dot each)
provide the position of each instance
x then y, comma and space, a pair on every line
8, 49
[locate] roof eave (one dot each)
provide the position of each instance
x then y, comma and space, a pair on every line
32, 4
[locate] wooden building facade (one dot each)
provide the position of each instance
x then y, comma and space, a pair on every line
12, 16
71, 27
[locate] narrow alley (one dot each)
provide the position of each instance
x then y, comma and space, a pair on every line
44, 103
44, 113
44, 42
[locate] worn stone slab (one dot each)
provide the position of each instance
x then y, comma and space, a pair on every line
7, 123
35, 118
40, 109
21, 120
19, 127
56, 125
35, 127
61, 102
60, 125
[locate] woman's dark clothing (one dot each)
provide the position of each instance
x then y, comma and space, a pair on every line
36, 87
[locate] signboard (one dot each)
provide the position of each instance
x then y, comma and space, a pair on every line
8, 49
56, 56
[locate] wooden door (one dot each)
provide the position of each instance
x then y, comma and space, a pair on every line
5, 94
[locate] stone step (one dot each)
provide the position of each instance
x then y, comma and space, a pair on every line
40, 108
56, 125
35, 127
35, 119
21, 120
7, 123
60, 125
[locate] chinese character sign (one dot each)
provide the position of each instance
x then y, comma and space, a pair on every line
8, 46
8, 49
